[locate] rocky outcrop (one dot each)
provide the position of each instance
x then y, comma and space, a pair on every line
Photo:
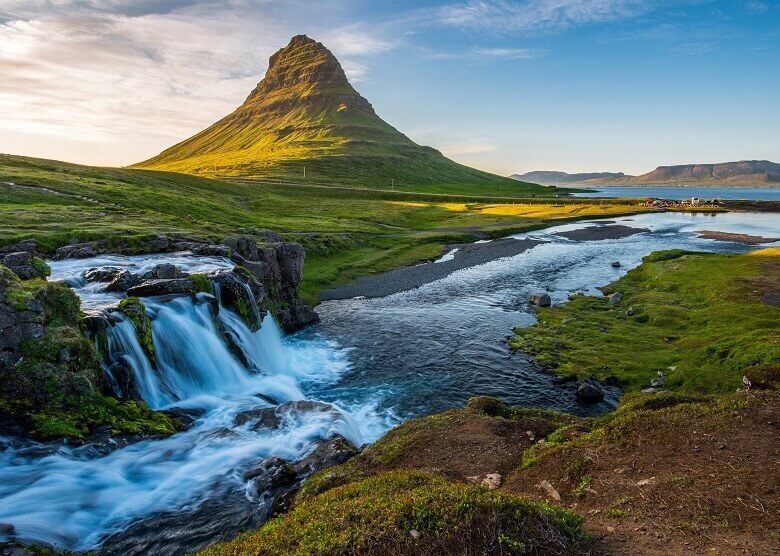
21, 318
274, 272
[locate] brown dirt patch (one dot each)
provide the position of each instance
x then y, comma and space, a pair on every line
713, 483
469, 444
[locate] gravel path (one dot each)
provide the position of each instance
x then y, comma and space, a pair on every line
410, 277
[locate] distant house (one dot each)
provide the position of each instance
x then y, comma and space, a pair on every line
695, 201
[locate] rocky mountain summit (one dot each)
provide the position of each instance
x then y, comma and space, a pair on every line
305, 113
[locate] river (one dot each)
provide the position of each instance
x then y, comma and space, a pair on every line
378, 361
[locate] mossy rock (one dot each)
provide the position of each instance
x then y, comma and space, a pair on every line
135, 310
413, 512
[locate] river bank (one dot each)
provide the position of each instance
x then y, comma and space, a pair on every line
682, 467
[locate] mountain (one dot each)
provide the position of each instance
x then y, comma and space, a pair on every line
306, 114
549, 177
745, 172
728, 173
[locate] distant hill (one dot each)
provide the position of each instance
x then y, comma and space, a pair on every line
742, 173
551, 177
306, 114
745, 172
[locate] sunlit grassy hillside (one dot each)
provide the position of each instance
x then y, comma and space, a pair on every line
304, 122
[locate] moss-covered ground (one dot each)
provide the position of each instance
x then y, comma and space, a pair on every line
413, 512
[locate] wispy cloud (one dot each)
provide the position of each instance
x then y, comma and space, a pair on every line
151, 71
536, 15
507, 53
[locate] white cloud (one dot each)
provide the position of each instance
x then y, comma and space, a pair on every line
536, 15
149, 72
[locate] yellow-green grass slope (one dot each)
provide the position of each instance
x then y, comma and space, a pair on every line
698, 318
306, 114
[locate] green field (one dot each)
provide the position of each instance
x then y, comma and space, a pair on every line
347, 232
697, 318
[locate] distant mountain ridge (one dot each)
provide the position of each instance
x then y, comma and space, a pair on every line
305, 122
551, 177
742, 173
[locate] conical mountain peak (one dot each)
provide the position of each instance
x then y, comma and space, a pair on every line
304, 114
305, 69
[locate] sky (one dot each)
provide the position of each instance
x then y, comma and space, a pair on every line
507, 86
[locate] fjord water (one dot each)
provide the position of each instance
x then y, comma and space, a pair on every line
378, 360
685, 192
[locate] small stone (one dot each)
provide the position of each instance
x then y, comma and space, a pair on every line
531, 436
615, 264
414, 533
615, 297
645, 482
589, 391
550, 490
492, 481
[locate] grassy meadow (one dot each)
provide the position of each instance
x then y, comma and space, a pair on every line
697, 318
347, 232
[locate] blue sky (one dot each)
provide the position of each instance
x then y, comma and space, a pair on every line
506, 86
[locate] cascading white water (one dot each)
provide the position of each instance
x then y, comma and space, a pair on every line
61, 496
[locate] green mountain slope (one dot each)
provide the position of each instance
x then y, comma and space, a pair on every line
305, 113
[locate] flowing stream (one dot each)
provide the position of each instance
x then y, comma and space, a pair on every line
378, 361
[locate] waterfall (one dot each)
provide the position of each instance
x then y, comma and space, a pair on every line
205, 358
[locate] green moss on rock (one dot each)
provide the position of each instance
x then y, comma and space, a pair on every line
135, 310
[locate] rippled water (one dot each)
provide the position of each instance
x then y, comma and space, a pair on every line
686, 192
432, 348
379, 360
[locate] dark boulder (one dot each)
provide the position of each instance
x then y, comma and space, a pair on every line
271, 474
164, 271
176, 286
77, 251
102, 274
589, 391
615, 297
263, 418
330, 452
25, 265
540, 300
245, 247
123, 281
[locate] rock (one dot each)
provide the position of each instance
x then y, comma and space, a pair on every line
164, 271
245, 247
22, 264
657, 382
615, 264
492, 481
330, 452
645, 482
589, 391
540, 300
615, 297
77, 251
185, 415
272, 473
550, 490
123, 281
27, 245
211, 250
263, 418
414, 533
176, 286
101, 274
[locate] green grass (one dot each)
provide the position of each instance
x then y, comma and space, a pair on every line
412, 512
348, 232
698, 318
